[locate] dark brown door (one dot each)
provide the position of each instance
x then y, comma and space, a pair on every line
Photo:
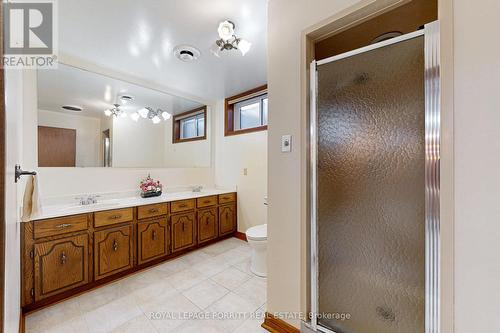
113, 251
207, 224
183, 231
227, 219
56, 147
60, 265
153, 240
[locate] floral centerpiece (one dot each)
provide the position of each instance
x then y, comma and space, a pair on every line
150, 187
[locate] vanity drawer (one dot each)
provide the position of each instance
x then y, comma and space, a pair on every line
144, 212
182, 205
206, 201
60, 225
114, 216
228, 197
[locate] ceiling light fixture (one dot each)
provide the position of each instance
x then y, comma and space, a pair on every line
115, 111
154, 115
228, 40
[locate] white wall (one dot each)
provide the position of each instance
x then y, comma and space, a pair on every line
232, 155
188, 154
137, 144
13, 194
88, 134
477, 160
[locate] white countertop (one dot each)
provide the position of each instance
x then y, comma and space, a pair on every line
59, 210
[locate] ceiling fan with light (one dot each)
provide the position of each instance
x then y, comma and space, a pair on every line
228, 40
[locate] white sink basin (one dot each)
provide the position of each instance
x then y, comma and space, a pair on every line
96, 206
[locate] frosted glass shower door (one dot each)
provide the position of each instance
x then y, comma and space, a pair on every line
371, 190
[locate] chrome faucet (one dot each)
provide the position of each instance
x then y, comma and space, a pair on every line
197, 188
87, 199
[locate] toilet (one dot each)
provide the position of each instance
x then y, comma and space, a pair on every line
257, 239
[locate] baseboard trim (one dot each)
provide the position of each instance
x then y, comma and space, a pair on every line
276, 325
241, 235
22, 322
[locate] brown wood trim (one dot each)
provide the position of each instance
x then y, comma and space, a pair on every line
176, 130
22, 322
276, 325
229, 114
247, 130
241, 235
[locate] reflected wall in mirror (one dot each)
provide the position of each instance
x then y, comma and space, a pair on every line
87, 119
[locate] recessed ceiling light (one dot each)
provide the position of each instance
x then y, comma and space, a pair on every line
126, 98
72, 108
186, 53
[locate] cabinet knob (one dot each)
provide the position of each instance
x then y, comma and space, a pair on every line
154, 235
63, 258
115, 217
115, 245
153, 211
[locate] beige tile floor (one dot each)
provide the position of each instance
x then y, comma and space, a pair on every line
214, 281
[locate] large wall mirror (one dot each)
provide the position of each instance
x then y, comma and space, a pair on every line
87, 119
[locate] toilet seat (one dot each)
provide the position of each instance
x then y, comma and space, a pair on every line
257, 233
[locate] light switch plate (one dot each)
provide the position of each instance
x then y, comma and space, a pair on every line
286, 143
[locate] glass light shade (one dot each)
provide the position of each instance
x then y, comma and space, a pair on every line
135, 116
107, 113
215, 50
165, 115
156, 120
244, 46
143, 112
226, 30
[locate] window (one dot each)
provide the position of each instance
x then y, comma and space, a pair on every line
246, 112
190, 125
193, 127
250, 113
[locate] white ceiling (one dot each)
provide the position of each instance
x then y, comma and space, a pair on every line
95, 93
138, 37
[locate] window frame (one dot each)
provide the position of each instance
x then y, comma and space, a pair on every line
176, 125
230, 112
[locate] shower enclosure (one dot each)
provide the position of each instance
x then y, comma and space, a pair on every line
375, 187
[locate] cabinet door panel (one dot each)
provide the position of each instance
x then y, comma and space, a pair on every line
153, 239
60, 265
227, 219
207, 225
183, 231
112, 251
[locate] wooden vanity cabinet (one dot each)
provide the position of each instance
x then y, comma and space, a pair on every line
113, 251
153, 239
60, 265
227, 219
208, 227
183, 231
63, 256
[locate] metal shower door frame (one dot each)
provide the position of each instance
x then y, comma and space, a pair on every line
432, 169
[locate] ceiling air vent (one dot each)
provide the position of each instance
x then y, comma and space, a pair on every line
186, 53
72, 108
